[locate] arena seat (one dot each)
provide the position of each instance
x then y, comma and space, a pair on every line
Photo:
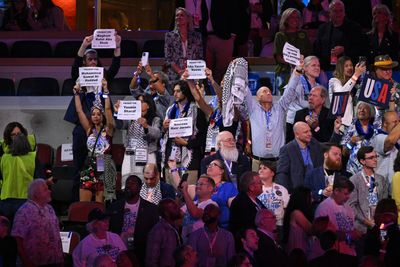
59, 162
79, 211
129, 48
44, 154
67, 86
7, 87
67, 49
120, 86
4, 50
154, 47
31, 49
38, 86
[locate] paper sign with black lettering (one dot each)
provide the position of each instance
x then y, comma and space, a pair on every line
90, 76
66, 241
196, 69
291, 54
338, 104
129, 110
103, 39
375, 91
181, 127
66, 152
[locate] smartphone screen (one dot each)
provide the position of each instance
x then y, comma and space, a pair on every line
145, 58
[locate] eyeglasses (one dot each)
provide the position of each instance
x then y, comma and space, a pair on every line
228, 140
373, 157
213, 164
201, 184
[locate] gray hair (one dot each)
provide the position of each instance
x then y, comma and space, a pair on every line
34, 186
285, 15
260, 216
163, 77
385, 9
335, 2
188, 16
371, 109
309, 59
323, 90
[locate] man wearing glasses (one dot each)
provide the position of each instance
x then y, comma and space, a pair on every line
369, 189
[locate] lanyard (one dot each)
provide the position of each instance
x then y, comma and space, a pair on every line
228, 166
211, 243
268, 117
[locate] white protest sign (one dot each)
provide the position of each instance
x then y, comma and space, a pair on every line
129, 110
66, 152
66, 241
291, 54
196, 69
90, 76
104, 38
181, 127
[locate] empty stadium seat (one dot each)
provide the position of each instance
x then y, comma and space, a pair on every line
120, 86
7, 87
59, 162
38, 87
4, 50
44, 154
31, 49
66, 49
67, 86
129, 48
154, 47
79, 211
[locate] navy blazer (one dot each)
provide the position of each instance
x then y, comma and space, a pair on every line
167, 190
291, 170
315, 180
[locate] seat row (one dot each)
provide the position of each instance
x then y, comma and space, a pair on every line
45, 86
68, 49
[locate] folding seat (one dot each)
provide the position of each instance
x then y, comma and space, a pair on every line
4, 50
120, 86
67, 49
129, 48
31, 49
7, 87
67, 87
44, 154
155, 48
38, 87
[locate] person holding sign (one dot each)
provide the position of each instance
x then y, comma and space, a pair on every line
186, 150
99, 129
141, 138
181, 44
289, 31
344, 79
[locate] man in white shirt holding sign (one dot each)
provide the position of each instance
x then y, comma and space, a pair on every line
187, 151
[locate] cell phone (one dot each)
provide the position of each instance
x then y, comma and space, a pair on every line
362, 60
183, 179
173, 153
145, 59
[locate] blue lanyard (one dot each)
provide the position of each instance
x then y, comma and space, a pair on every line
268, 117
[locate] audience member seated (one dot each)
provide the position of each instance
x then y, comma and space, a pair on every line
193, 209
142, 137
332, 257
338, 37
235, 162
214, 245
316, 115
185, 256
274, 197
15, 17
269, 253
44, 15
298, 157
100, 241
8, 244
157, 88
289, 32
360, 133
344, 79
249, 244
164, 237
320, 179
246, 204
315, 14
99, 130
36, 229
369, 188
308, 80
382, 39
153, 189
133, 217
182, 44
18, 167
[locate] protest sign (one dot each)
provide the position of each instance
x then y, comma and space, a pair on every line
375, 91
196, 69
66, 152
104, 38
338, 104
90, 76
66, 241
291, 54
181, 127
129, 110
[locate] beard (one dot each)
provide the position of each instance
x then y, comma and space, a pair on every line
333, 165
230, 154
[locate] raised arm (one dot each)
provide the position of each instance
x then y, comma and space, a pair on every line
107, 109
86, 42
134, 85
117, 50
78, 106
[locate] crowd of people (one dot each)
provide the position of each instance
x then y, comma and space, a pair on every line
258, 182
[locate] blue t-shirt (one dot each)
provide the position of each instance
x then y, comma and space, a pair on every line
222, 193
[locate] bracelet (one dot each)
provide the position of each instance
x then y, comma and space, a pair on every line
298, 71
354, 78
173, 170
117, 47
391, 100
106, 92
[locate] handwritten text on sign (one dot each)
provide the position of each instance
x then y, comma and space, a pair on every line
129, 110
291, 54
338, 104
66, 152
196, 69
90, 76
375, 91
181, 127
104, 38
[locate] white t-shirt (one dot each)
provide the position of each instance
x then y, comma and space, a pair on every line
130, 216
91, 247
275, 198
341, 218
191, 224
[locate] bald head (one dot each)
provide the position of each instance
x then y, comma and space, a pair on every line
390, 120
264, 95
302, 132
151, 175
